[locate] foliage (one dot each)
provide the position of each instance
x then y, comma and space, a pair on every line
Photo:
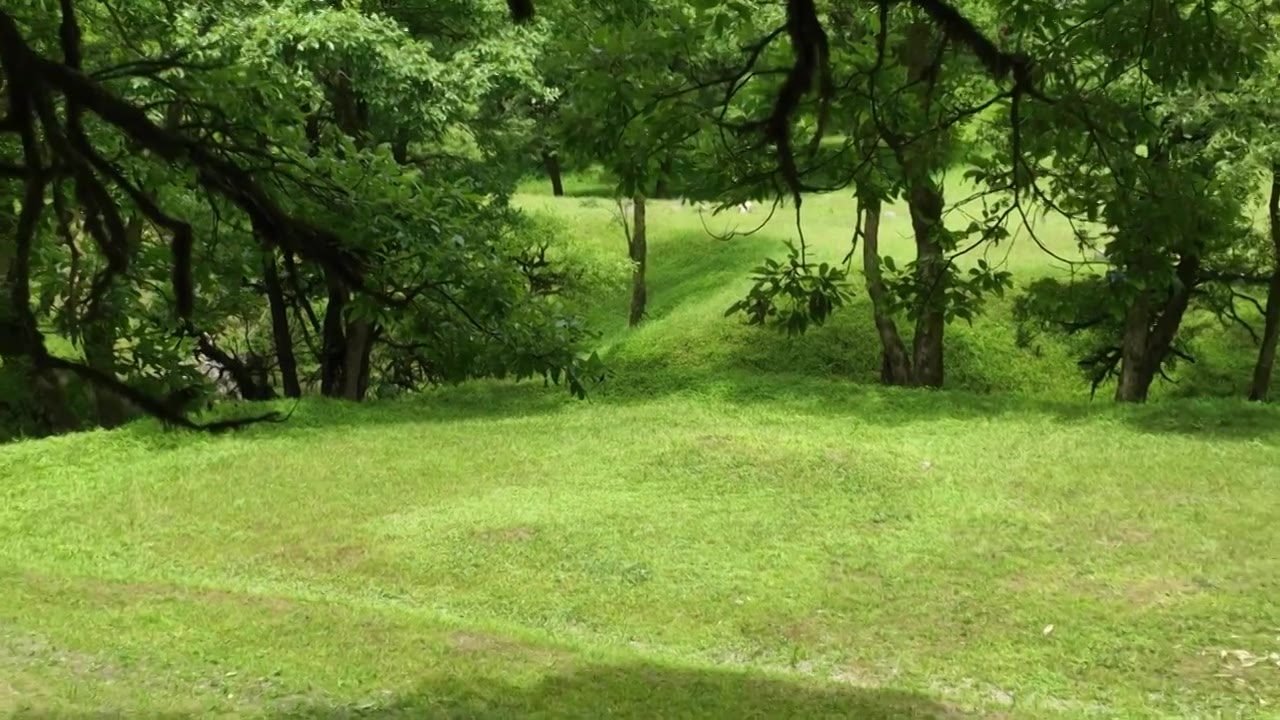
318, 194
809, 295
368, 159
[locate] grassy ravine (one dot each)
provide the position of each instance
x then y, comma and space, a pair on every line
735, 527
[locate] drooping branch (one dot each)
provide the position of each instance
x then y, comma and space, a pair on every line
521, 10
215, 173
32, 82
998, 63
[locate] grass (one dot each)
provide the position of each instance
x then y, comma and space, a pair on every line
734, 527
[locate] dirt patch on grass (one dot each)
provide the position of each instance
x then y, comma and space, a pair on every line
1152, 592
809, 632
334, 554
1043, 584
1248, 672
714, 442
20, 649
1138, 592
209, 596
503, 535
108, 592
1119, 536
855, 676
480, 643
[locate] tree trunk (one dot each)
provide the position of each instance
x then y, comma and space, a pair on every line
662, 189
895, 366
1265, 367
925, 201
639, 251
1133, 385
249, 384
551, 161
280, 327
355, 372
99, 344
50, 393
334, 342
1145, 346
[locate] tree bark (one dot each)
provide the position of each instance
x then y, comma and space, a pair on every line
925, 200
99, 344
251, 385
50, 393
1133, 347
355, 372
334, 342
551, 161
1263, 370
280, 327
662, 189
639, 251
895, 365
1145, 345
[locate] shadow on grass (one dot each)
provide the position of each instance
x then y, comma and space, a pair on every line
772, 393
640, 691
875, 405
643, 691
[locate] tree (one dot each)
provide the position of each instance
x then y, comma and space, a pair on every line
182, 171
898, 119
1263, 371
1133, 152
624, 60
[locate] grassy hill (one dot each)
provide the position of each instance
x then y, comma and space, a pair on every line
694, 276
737, 526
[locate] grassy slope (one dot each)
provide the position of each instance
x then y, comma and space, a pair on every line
694, 277
730, 529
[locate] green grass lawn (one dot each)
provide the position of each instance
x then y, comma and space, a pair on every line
735, 526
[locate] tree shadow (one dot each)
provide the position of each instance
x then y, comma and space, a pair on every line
782, 393
1224, 419
641, 691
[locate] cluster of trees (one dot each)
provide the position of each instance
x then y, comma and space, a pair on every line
1149, 125
308, 196
314, 195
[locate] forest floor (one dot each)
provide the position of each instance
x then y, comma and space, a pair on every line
708, 536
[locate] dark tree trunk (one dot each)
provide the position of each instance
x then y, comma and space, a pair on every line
1262, 372
280, 327
400, 148
1134, 384
1145, 347
334, 342
99, 339
355, 372
250, 384
100, 354
925, 201
662, 189
639, 251
895, 365
919, 52
551, 161
50, 392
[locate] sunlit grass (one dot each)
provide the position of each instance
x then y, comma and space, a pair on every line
735, 525
858, 547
